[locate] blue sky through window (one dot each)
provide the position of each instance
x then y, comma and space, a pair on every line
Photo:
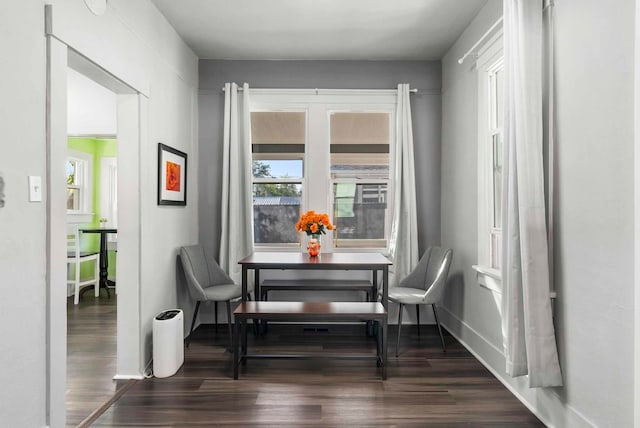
285, 168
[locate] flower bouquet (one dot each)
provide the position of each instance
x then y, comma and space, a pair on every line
314, 224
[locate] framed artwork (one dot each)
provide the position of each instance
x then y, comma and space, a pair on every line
172, 176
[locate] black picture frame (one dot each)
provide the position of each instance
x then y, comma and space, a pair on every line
172, 176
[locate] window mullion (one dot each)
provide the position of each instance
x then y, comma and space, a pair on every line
317, 161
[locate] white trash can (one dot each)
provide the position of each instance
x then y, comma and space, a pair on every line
168, 343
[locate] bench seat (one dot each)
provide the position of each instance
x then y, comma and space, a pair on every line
316, 285
305, 312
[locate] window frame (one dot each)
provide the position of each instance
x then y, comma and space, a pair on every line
490, 60
85, 213
270, 106
317, 174
355, 243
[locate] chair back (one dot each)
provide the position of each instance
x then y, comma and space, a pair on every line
431, 273
73, 241
201, 271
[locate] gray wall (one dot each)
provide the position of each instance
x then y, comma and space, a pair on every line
33, 332
23, 290
594, 214
425, 105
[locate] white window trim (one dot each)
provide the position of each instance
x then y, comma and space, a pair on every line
489, 56
85, 213
109, 195
328, 100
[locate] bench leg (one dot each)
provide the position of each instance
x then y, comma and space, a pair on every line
215, 315
383, 338
228, 302
376, 326
236, 348
263, 323
244, 340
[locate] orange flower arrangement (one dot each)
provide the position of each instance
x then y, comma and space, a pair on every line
313, 223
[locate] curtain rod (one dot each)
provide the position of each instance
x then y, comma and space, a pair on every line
413, 91
476, 44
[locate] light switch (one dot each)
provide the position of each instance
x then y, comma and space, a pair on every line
35, 188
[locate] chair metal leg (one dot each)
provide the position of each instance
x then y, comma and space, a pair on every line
435, 314
215, 315
229, 322
399, 327
195, 314
418, 318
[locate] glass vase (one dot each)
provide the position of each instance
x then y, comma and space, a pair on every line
313, 245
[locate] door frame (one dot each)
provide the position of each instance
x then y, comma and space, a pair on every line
132, 114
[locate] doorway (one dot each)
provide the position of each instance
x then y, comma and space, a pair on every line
131, 119
91, 203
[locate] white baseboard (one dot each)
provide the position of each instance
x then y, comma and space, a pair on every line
128, 377
542, 402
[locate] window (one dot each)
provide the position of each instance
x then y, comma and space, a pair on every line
490, 137
496, 107
277, 145
359, 148
74, 174
328, 152
78, 172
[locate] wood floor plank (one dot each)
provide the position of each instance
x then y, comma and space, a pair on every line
426, 387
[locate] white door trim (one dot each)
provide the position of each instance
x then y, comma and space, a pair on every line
133, 117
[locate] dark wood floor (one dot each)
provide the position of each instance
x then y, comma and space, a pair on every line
91, 355
426, 387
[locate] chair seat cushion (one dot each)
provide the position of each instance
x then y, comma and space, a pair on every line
406, 295
224, 292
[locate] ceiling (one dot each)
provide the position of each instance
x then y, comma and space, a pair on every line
320, 29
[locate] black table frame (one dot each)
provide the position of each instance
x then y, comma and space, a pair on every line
104, 282
373, 262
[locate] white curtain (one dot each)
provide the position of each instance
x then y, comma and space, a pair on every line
529, 338
236, 238
403, 243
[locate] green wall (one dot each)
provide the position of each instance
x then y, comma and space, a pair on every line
97, 148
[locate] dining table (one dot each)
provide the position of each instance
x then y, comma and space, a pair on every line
312, 311
373, 262
104, 282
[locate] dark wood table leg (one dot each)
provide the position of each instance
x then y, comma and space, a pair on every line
103, 282
244, 283
104, 263
374, 286
385, 303
371, 330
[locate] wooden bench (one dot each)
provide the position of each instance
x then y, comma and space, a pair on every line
309, 312
317, 285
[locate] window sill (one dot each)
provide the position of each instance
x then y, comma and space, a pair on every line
78, 217
489, 278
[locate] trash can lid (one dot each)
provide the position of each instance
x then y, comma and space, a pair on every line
167, 315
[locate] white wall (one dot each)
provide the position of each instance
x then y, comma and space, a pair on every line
91, 108
594, 217
22, 261
135, 43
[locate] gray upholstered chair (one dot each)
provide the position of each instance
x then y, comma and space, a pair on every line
423, 286
207, 282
